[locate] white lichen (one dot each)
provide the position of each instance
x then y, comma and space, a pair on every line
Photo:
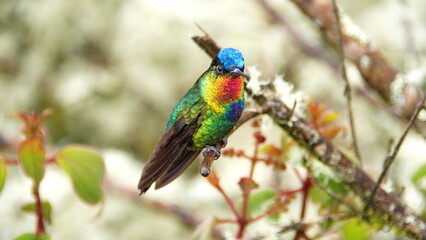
365, 61
422, 115
352, 30
410, 219
409, 83
255, 84
388, 186
397, 88
284, 91
267, 123
392, 207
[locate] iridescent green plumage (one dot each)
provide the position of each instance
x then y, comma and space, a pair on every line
203, 117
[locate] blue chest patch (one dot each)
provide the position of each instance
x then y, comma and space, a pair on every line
234, 111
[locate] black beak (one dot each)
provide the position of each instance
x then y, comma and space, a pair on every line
239, 72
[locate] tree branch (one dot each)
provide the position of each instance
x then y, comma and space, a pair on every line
376, 71
385, 206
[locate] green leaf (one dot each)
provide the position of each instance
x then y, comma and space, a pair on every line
86, 169
2, 172
47, 210
355, 230
261, 201
32, 236
418, 178
32, 156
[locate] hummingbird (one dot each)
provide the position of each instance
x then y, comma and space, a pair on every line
202, 119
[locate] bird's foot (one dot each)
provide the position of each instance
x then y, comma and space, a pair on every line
213, 149
208, 158
211, 153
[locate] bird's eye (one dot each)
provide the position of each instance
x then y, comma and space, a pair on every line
220, 69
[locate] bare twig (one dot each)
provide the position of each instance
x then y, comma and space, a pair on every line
389, 159
378, 103
305, 46
348, 91
306, 224
387, 206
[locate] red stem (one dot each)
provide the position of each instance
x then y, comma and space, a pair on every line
307, 184
39, 211
220, 221
229, 202
243, 221
11, 161
270, 211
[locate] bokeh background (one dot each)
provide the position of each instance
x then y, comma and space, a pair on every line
112, 71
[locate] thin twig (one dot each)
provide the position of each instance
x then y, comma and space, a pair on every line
305, 224
304, 45
378, 102
38, 210
348, 91
268, 212
389, 160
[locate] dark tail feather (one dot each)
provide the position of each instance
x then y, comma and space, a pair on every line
170, 147
186, 157
155, 168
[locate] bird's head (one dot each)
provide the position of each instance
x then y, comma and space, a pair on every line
229, 61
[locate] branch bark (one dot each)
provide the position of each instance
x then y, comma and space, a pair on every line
385, 206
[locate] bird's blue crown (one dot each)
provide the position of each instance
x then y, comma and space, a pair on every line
231, 58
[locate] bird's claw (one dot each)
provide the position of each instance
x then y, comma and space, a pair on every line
212, 148
222, 143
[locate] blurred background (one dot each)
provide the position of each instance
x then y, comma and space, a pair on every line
112, 71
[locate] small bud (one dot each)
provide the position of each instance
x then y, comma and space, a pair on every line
247, 183
240, 153
228, 152
256, 122
259, 137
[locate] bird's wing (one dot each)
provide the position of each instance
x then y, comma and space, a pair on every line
171, 155
179, 165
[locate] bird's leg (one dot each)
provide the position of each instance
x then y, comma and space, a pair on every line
211, 153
